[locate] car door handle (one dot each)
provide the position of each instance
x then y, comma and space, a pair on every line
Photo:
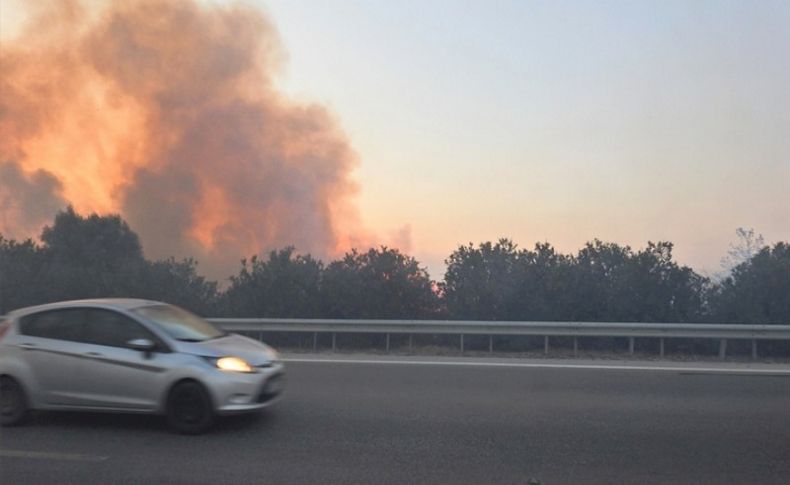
93, 354
28, 345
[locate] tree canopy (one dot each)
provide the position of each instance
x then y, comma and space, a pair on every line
379, 283
758, 290
286, 286
100, 256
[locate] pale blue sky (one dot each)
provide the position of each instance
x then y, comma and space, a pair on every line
558, 121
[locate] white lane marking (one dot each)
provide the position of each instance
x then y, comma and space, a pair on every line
713, 370
41, 455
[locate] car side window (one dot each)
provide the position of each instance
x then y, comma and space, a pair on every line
54, 324
106, 327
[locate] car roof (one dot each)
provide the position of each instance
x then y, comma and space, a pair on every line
114, 303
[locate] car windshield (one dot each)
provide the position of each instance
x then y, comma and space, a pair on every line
179, 323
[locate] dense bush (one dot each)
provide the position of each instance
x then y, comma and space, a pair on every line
100, 256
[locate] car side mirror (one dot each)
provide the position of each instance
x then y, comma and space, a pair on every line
143, 345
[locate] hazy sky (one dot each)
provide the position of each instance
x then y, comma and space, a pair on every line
558, 121
553, 121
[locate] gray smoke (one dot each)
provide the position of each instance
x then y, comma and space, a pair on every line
27, 201
166, 111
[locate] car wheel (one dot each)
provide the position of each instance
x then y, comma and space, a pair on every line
13, 403
189, 409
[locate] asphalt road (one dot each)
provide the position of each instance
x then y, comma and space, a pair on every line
399, 424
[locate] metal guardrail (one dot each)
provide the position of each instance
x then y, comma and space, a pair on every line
717, 331
720, 332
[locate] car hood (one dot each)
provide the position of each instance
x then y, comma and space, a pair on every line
232, 345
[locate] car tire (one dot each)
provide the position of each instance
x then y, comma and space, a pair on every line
189, 409
13, 402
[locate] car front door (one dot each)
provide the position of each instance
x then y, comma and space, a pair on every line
112, 375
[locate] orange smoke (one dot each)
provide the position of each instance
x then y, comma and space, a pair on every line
165, 111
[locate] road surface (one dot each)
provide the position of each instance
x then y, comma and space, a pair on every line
400, 423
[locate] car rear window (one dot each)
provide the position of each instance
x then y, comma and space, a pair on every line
54, 324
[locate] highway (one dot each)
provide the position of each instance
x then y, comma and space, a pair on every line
381, 423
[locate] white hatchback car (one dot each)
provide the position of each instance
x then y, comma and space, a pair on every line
127, 355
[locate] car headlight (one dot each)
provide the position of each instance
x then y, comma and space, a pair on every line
233, 364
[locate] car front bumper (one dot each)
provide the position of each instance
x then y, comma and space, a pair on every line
242, 393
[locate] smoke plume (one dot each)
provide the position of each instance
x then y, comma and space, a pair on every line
27, 201
165, 111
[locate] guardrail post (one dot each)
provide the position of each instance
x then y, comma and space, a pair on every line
630, 345
410, 343
575, 346
490, 344
462, 343
260, 336
334, 345
754, 349
723, 348
315, 341
661, 347
388, 342
546, 345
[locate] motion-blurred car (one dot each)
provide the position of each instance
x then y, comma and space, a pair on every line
127, 355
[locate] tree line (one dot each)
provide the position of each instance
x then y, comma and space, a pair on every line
100, 256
